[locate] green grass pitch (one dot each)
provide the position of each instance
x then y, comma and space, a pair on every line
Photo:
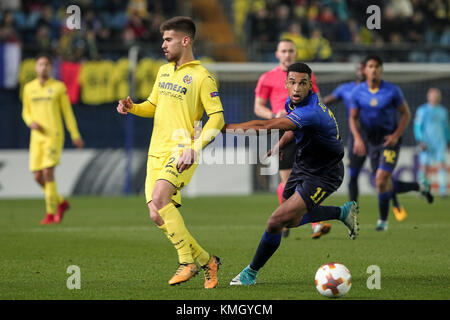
122, 255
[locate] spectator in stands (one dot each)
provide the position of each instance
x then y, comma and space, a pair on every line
7, 29
319, 46
402, 8
416, 27
128, 37
48, 19
282, 19
91, 48
136, 24
328, 22
294, 34
42, 39
391, 23
260, 25
339, 8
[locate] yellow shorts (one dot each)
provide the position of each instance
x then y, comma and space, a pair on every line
45, 153
165, 168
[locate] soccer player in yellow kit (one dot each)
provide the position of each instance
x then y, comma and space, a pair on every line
182, 92
44, 100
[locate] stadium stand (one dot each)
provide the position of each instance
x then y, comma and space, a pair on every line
94, 61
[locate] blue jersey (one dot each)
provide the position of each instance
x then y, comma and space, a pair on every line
431, 126
377, 110
320, 147
343, 92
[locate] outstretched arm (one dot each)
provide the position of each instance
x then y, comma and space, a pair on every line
331, 98
272, 124
145, 109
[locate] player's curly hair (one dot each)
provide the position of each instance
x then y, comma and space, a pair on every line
372, 57
300, 67
180, 23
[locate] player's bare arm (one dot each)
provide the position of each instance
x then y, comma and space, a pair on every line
79, 143
358, 147
212, 128
331, 98
272, 124
392, 139
36, 126
287, 137
261, 110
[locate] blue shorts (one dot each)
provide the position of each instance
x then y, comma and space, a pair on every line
432, 156
384, 158
314, 189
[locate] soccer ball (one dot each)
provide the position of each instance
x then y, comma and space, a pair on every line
333, 280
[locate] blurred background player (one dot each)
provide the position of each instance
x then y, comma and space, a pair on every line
182, 92
317, 172
356, 162
431, 130
44, 100
271, 88
375, 104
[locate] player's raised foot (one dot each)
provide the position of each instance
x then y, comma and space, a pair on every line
184, 273
349, 216
320, 229
425, 190
245, 278
399, 213
285, 232
62, 207
210, 269
381, 225
49, 219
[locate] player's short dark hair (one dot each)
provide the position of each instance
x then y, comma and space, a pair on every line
300, 67
180, 23
286, 40
373, 57
44, 55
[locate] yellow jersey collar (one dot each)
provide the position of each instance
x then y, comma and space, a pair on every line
193, 62
49, 81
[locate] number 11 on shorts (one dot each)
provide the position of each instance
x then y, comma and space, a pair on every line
318, 195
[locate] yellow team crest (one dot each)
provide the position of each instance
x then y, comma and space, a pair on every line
373, 102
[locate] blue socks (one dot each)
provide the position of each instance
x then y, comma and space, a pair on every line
267, 246
383, 204
270, 242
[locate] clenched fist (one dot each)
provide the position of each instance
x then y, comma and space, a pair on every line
125, 105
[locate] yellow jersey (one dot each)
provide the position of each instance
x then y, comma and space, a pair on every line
181, 95
44, 104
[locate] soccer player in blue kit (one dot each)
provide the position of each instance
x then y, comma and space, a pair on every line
343, 92
317, 172
375, 103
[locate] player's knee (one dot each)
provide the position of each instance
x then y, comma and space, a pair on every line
48, 174
160, 200
382, 182
39, 177
276, 223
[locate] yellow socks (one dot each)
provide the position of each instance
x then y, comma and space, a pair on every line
188, 249
58, 196
51, 197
